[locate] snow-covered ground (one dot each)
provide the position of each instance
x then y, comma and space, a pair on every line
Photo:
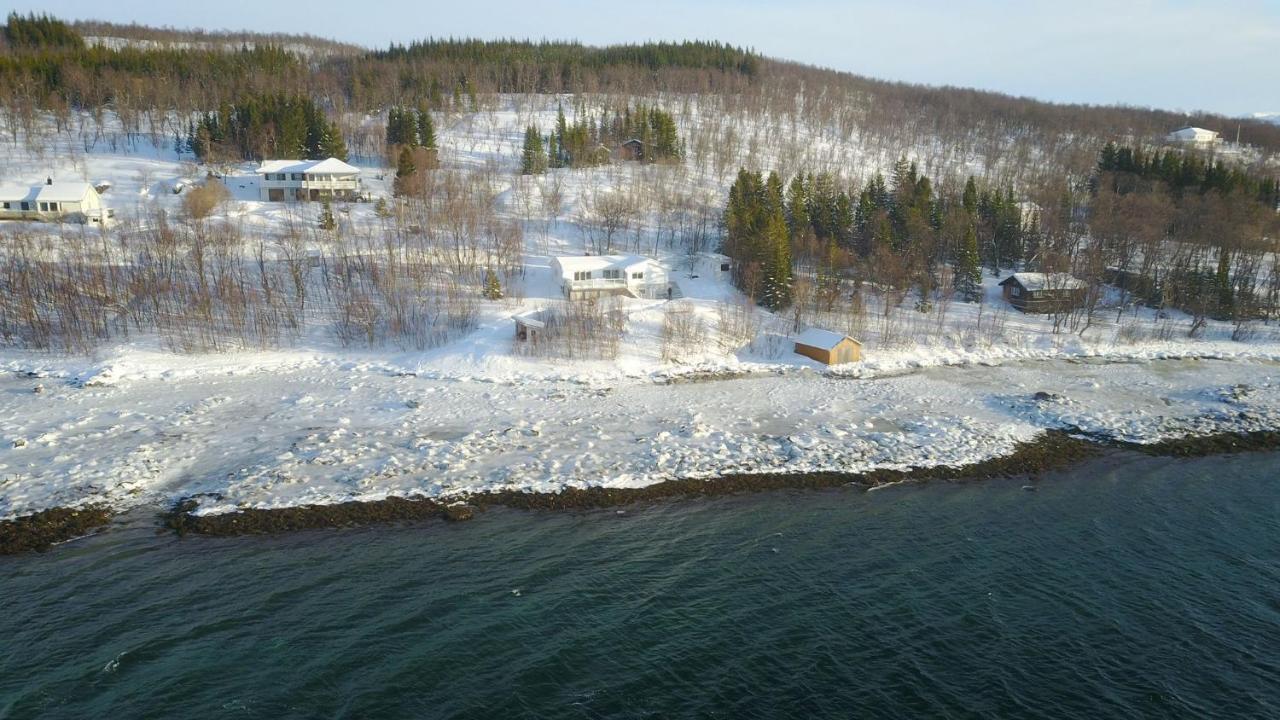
308, 430
312, 422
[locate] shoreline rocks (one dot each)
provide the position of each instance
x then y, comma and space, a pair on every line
1052, 451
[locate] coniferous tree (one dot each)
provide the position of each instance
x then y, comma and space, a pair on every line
327, 221
968, 273
405, 170
426, 129
492, 288
533, 158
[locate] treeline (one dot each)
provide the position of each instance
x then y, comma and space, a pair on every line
1179, 231
410, 127
37, 31
565, 58
1181, 172
263, 126
899, 233
591, 141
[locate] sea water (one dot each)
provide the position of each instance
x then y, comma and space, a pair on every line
1125, 587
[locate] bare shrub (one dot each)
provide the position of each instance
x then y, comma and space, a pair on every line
684, 333
200, 201
579, 330
736, 324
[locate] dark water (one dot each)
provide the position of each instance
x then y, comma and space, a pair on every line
1129, 587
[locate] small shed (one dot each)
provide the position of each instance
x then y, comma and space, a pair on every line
1044, 292
632, 149
529, 326
829, 348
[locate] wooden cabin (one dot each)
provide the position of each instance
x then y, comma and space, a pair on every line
1044, 292
632, 149
827, 347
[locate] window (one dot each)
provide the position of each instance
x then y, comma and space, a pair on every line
724, 267
1015, 291
296, 176
582, 275
637, 276
6, 205
44, 207
26, 205
612, 274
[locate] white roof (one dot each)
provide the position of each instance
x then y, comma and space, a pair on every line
18, 193
531, 318
57, 192
569, 264
1190, 131
1047, 281
819, 338
65, 192
332, 166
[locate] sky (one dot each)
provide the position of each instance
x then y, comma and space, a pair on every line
1221, 56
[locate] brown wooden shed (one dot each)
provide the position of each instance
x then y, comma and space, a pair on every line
828, 347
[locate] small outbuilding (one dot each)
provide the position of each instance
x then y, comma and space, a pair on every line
529, 326
632, 149
1044, 292
828, 348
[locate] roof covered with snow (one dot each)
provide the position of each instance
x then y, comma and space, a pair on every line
18, 193
65, 192
819, 338
569, 264
57, 192
332, 166
1036, 282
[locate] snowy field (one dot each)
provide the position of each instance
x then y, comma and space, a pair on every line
131, 423
316, 431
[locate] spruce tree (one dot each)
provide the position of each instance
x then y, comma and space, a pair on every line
326, 216
426, 129
492, 288
533, 159
968, 273
404, 171
776, 263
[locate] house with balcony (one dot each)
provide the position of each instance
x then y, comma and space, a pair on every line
293, 180
590, 276
54, 202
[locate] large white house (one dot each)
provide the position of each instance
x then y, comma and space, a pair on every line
54, 202
583, 276
1193, 135
307, 180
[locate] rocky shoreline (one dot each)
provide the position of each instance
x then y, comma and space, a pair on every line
1053, 450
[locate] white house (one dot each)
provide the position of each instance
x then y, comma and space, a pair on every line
583, 276
1193, 135
307, 180
56, 202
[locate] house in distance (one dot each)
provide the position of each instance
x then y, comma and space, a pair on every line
1044, 292
828, 348
590, 276
54, 202
291, 180
1193, 136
